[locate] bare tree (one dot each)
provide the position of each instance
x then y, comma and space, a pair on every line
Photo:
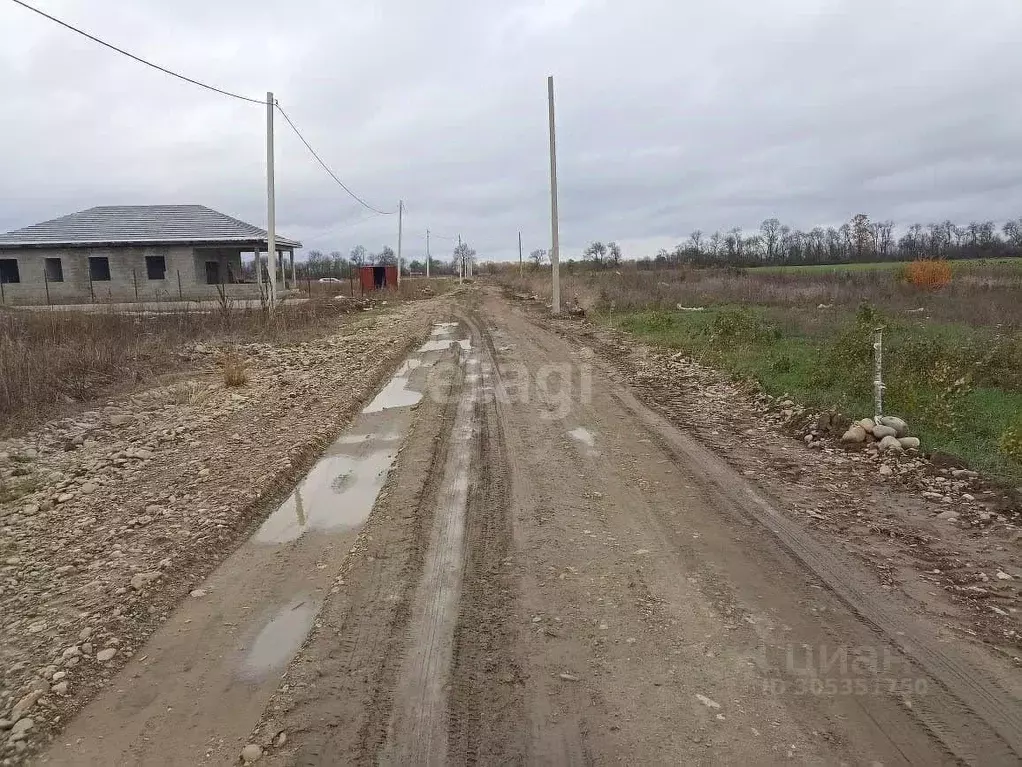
596, 251
614, 253
770, 229
862, 235
537, 257
885, 237
357, 255
463, 254
1013, 232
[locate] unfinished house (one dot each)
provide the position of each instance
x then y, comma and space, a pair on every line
138, 253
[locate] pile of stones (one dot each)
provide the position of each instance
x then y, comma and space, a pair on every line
889, 432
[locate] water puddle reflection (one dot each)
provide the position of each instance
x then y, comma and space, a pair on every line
280, 639
339, 492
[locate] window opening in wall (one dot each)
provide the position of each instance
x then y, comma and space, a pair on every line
156, 267
212, 272
99, 268
9, 270
54, 270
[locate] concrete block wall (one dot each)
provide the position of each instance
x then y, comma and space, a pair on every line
127, 272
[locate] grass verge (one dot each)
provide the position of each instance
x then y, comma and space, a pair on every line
959, 387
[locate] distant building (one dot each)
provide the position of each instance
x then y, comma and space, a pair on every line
133, 252
377, 277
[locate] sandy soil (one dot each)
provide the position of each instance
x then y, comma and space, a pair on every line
569, 562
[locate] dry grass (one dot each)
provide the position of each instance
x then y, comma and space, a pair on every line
233, 369
50, 358
929, 274
980, 296
953, 356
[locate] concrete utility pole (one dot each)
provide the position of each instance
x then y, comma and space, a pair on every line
555, 305
271, 211
427, 254
400, 215
521, 270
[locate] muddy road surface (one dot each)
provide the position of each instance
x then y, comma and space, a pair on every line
510, 557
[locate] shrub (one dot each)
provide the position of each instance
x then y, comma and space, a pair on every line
741, 326
928, 273
657, 320
234, 370
1010, 443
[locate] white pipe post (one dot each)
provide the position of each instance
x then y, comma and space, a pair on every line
555, 305
271, 212
427, 254
878, 373
461, 262
400, 215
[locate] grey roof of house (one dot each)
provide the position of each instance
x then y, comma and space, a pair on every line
127, 225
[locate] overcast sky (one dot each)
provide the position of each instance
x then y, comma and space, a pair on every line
672, 114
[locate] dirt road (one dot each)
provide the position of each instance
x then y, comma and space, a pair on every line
551, 573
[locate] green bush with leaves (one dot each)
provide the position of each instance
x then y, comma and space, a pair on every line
1010, 443
742, 327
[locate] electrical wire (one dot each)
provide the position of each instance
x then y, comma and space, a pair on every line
327, 168
137, 58
221, 91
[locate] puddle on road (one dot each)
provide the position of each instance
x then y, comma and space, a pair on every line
443, 344
279, 640
339, 492
397, 392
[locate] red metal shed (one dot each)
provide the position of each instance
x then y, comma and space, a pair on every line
377, 277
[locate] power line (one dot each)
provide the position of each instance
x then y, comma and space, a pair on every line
221, 91
137, 58
327, 168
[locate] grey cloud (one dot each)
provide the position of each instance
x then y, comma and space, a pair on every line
671, 116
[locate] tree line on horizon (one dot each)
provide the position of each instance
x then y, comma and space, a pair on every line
318, 264
859, 240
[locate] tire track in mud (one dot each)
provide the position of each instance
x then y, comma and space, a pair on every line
486, 700
373, 734
965, 711
343, 685
539, 733
418, 726
969, 713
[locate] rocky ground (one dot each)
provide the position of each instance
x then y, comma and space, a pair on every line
110, 517
926, 524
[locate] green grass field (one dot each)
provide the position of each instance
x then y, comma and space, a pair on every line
959, 387
967, 265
